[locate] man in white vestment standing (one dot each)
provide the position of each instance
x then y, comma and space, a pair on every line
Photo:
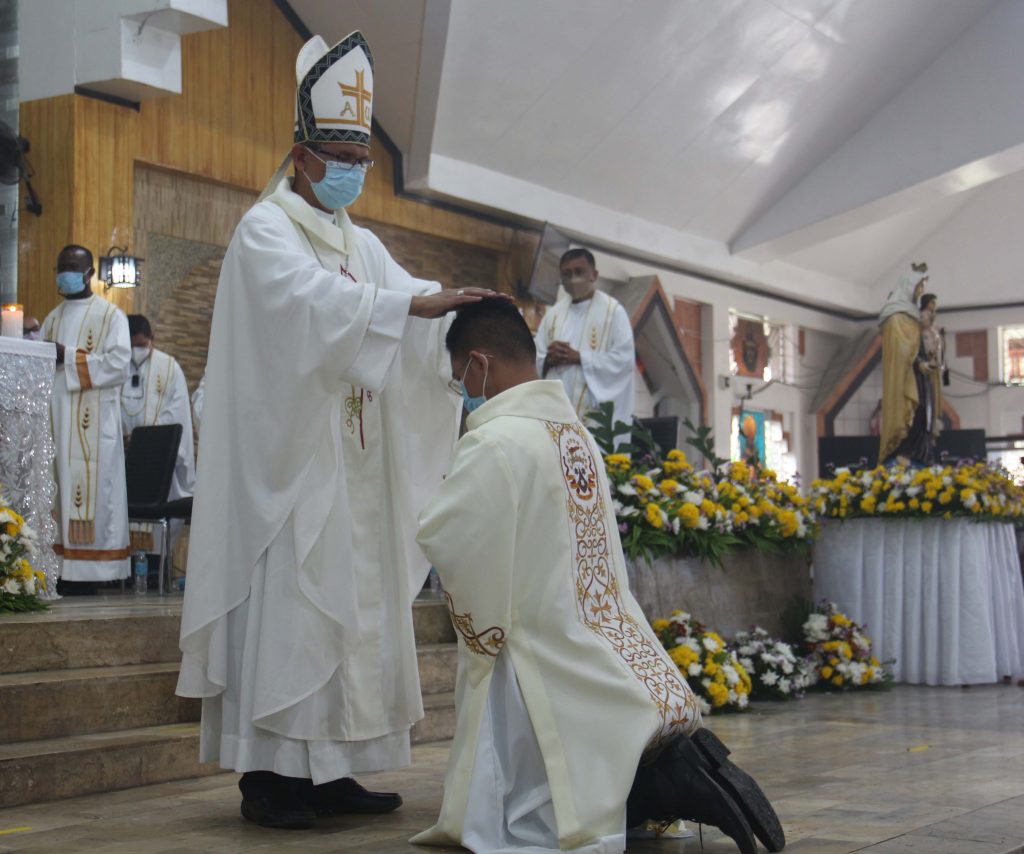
156, 393
586, 341
572, 722
198, 397
93, 353
327, 421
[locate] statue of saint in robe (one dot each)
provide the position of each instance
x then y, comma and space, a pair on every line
911, 359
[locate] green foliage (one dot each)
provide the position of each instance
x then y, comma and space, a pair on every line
20, 603
793, 618
704, 442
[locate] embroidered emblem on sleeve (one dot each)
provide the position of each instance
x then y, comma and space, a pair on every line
488, 642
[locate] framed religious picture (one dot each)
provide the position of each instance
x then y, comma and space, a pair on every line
750, 348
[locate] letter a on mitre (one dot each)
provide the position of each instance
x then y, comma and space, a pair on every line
334, 101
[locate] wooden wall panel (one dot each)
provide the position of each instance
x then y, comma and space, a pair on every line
231, 125
48, 125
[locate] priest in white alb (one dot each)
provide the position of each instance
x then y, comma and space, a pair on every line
327, 421
93, 353
586, 341
572, 722
156, 393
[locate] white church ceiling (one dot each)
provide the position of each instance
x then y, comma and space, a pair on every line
723, 135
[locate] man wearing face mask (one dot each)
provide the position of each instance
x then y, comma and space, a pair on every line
573, 723
93, 354
586, 341
327, 420
156, 393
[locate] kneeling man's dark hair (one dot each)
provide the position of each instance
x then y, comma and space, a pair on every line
494, 326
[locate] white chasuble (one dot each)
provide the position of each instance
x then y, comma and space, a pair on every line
327, 422
160, 396
93, 504
524, 536
599, 330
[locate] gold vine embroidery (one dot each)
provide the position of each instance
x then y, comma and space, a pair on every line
488, 642
598, 597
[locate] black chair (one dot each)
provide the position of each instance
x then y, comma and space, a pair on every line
149, 469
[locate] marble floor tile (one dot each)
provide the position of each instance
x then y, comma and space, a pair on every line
910, 771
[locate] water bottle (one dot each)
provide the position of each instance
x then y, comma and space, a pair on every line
140, 569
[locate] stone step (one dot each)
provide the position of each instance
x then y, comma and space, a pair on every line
438, 722
69, 766
438, 663
431, 623
52, 703
114, 632
84, 641
35, 771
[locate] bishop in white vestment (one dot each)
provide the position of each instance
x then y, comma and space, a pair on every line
92, 339
586, 341
328, 420
563, 690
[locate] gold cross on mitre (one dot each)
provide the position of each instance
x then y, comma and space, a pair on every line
363, 98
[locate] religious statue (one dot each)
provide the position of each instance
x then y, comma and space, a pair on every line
911, 372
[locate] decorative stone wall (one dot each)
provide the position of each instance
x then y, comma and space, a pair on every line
750, 589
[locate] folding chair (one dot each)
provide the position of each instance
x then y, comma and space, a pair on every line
149, 469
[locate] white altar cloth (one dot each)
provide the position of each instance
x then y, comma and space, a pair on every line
26, 443
942, 597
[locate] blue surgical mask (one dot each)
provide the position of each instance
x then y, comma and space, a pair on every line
473, 403
70, 283
340, 186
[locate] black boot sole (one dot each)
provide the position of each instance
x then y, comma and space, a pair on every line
278, 819
743, 789
733, 823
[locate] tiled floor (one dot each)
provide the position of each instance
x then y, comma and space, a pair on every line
922, 770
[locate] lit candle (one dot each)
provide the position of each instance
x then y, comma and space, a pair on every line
12, 320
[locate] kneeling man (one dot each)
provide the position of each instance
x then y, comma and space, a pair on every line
572, 723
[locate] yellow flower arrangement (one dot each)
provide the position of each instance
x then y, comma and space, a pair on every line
654, 517
840, 650
618, 462
20, 584
643, 482
669, 487
713, 671
973, 490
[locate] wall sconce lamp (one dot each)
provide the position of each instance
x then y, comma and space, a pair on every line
120, 270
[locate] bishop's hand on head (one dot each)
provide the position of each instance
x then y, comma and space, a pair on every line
439, 304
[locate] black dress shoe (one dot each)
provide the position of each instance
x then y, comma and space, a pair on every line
684, 788
744, 790
347, 796
272, 800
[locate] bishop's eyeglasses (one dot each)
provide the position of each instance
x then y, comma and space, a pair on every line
345, 161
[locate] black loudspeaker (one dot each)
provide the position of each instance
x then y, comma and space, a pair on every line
852, 451
665, 430
855, 451
962, 445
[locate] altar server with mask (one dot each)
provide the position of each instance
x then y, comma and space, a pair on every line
572, 721
327, 420
93, 352
586, 341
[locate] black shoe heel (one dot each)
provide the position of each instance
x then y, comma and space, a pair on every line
756, 807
